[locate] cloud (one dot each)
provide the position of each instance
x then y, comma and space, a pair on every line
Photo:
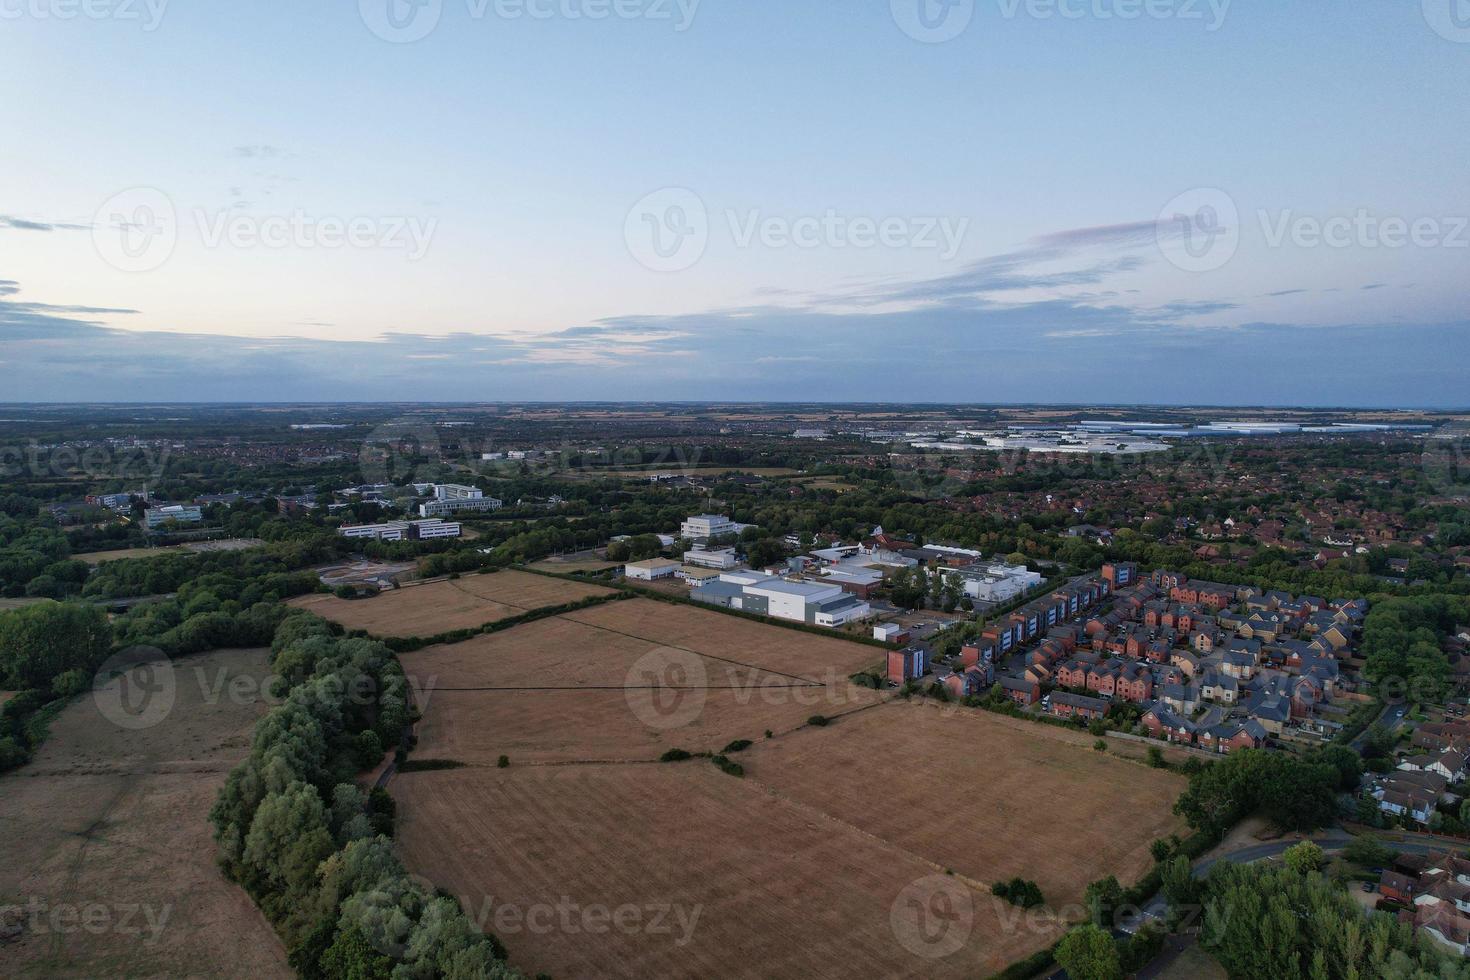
257, 151
25, 224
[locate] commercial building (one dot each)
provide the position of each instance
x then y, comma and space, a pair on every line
426, 530
700, 558
997, 581
453, 498
651, 570
702, 527
155, 517
816, 603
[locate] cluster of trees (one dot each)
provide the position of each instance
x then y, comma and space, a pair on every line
313, 849
168, 573
1293, 793
48, 651
213, 611
915, 588
1400, 643
1289, 920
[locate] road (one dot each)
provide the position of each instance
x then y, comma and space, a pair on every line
1332, 840
1390, 718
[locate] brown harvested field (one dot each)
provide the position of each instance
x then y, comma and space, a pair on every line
717, 634
714, 877
98, 557
1002, 798
112, 824
817, 863
577, 687
448, 604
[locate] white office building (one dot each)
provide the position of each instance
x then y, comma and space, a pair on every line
403, 530
702, 527
454, 498
155, 517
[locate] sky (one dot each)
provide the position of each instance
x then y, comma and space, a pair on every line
1140, 201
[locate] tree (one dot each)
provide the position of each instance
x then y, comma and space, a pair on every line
1368, 851
1089, 953
1304, 858
1102, 898
41, 641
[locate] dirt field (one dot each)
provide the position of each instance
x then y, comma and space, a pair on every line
817, 863
1013, 801
108, 846
449, 604
231, 544
578, 687
714, 877
563, 566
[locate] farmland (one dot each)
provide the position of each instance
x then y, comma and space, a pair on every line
111, 823
1054, 811
819, 850
449, 604
555, 690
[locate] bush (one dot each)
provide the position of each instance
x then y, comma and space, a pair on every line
1018, 891
503, 762
675, 755
728, 767
739, 745
71, 683
819, 721
1100, 745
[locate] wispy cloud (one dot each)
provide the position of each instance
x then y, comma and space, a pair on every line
26, 224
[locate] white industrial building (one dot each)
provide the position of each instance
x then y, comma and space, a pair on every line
815, 603
453, 498
997, 581
427, 530
651, 570
700, 558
